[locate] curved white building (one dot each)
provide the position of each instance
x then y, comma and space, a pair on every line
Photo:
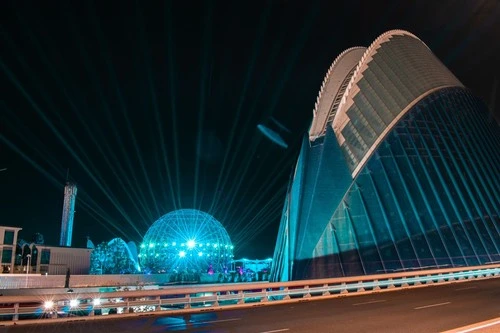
399, 170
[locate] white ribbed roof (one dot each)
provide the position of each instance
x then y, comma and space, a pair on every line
332, 83
405, 73
352, 89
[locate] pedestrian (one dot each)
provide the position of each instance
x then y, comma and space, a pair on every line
68, 275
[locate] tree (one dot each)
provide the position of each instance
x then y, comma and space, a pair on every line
38, 238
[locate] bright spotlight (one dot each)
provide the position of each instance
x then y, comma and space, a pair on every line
97, 301
48, 305
73, 303
177, 242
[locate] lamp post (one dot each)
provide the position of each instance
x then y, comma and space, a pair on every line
28, 264
28, 268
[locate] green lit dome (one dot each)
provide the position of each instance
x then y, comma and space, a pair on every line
186, 240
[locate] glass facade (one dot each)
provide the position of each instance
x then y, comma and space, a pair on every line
8, 238
6, 256
428, 195
400, 70
45, 258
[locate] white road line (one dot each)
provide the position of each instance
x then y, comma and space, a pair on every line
475, 328
431, 306
215, 321
371, 302
465, 288
274, 331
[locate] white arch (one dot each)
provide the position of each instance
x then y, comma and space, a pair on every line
331, 87
352, 89
420, 85
126, 246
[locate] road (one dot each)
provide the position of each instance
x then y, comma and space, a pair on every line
428, 309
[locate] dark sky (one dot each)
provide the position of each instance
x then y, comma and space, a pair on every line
154, 106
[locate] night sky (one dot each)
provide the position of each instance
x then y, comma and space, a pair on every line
154, 106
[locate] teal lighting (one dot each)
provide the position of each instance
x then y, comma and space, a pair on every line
399, 170
186, 240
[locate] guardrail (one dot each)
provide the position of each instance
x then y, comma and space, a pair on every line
197, 298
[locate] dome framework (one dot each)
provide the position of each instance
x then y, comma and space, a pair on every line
186, 240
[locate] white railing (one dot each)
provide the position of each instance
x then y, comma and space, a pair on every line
197, 298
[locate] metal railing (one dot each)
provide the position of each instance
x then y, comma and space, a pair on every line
198, 298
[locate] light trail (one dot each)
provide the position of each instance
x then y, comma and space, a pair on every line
91, 70
98, 178
225, 171
207, 35
158, 121
60, 137
132, 168
276, 96
86, 206
124, 111
173, 107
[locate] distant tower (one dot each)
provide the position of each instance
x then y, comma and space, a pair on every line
68, 214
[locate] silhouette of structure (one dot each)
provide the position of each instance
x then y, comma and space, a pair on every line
400, 170
68, 214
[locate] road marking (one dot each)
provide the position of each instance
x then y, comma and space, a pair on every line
215, 321
274, 331
473, 327
371, 302
431, 306
465, 288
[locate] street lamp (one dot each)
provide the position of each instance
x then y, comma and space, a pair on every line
28, 263
28, 268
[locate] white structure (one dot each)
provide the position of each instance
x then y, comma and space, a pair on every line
8, 242
55, 260
345, 92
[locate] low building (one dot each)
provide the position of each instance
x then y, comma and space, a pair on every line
39, 258
8, 243
56, 260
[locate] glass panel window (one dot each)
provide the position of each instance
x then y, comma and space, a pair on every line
45, 259
8, 238
6, 256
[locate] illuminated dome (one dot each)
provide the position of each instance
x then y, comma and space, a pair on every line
186, 240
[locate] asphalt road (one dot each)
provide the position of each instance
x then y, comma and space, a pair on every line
429, 309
